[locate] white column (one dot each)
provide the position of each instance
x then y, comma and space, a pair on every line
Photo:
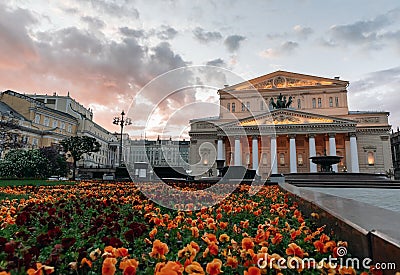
293, 161
238, 153
354, 154
255, 153
274, 157
332, 150
313, 153
220, 150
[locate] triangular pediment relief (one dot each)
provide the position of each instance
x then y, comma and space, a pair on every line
287, 117
285, 80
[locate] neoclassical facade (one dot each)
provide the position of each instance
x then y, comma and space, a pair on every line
312, 119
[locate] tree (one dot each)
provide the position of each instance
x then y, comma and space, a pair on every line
77, 146
56, 163
10, 138
21, 163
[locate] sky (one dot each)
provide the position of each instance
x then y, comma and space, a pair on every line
106, 52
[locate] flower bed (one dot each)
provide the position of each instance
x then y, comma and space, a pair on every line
95, 228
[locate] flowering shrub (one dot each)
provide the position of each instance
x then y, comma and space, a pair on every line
95, 228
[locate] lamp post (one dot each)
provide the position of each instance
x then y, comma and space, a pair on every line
121, 121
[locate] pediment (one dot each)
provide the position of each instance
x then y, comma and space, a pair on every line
285, 80
288, 117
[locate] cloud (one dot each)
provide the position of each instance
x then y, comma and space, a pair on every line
371, 34
285, 48
132, 32
377, 91
166, 32
105, 73
302, 32
232, 42
93, 23
122, 8
17, 47
219, 62
205, 36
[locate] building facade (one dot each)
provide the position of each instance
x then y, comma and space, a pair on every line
276, 122
36, 124
160, 152
395, 143
108, 154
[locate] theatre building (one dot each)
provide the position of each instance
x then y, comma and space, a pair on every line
275, 122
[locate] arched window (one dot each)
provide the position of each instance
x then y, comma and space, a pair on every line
371, 158
337, 101
319, 102
314, 103
247, 158
264, 159
282, 159
243, 107
248, 105
330, 102
228, 106
300, 159
299, 103
233, 107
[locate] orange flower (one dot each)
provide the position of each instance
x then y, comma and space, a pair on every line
224, 238
277, 238
232, 262
39, 270
5, 273
86, 262
153, 233
109, 266
214, 268
159, 250
344, 270
208, 237
195, 269
195, 232
319, 246
223, 225
212, 248
247, 244
170, 268
130, 270
253, 271
295, 250
195, 246
294, 234
121, 252
129, 266
188, 253
244, 224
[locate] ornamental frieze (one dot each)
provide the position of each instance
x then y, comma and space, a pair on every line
285, 82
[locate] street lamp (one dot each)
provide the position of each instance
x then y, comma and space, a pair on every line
121, 121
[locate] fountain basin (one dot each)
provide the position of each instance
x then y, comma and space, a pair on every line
326, 162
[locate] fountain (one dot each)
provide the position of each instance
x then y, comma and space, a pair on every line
326, 162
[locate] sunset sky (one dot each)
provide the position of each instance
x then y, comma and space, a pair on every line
104, 51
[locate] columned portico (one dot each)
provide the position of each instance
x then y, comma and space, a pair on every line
293, 161
274, 157
238, 152
332, 150
353, 153
255, 152
312, 152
